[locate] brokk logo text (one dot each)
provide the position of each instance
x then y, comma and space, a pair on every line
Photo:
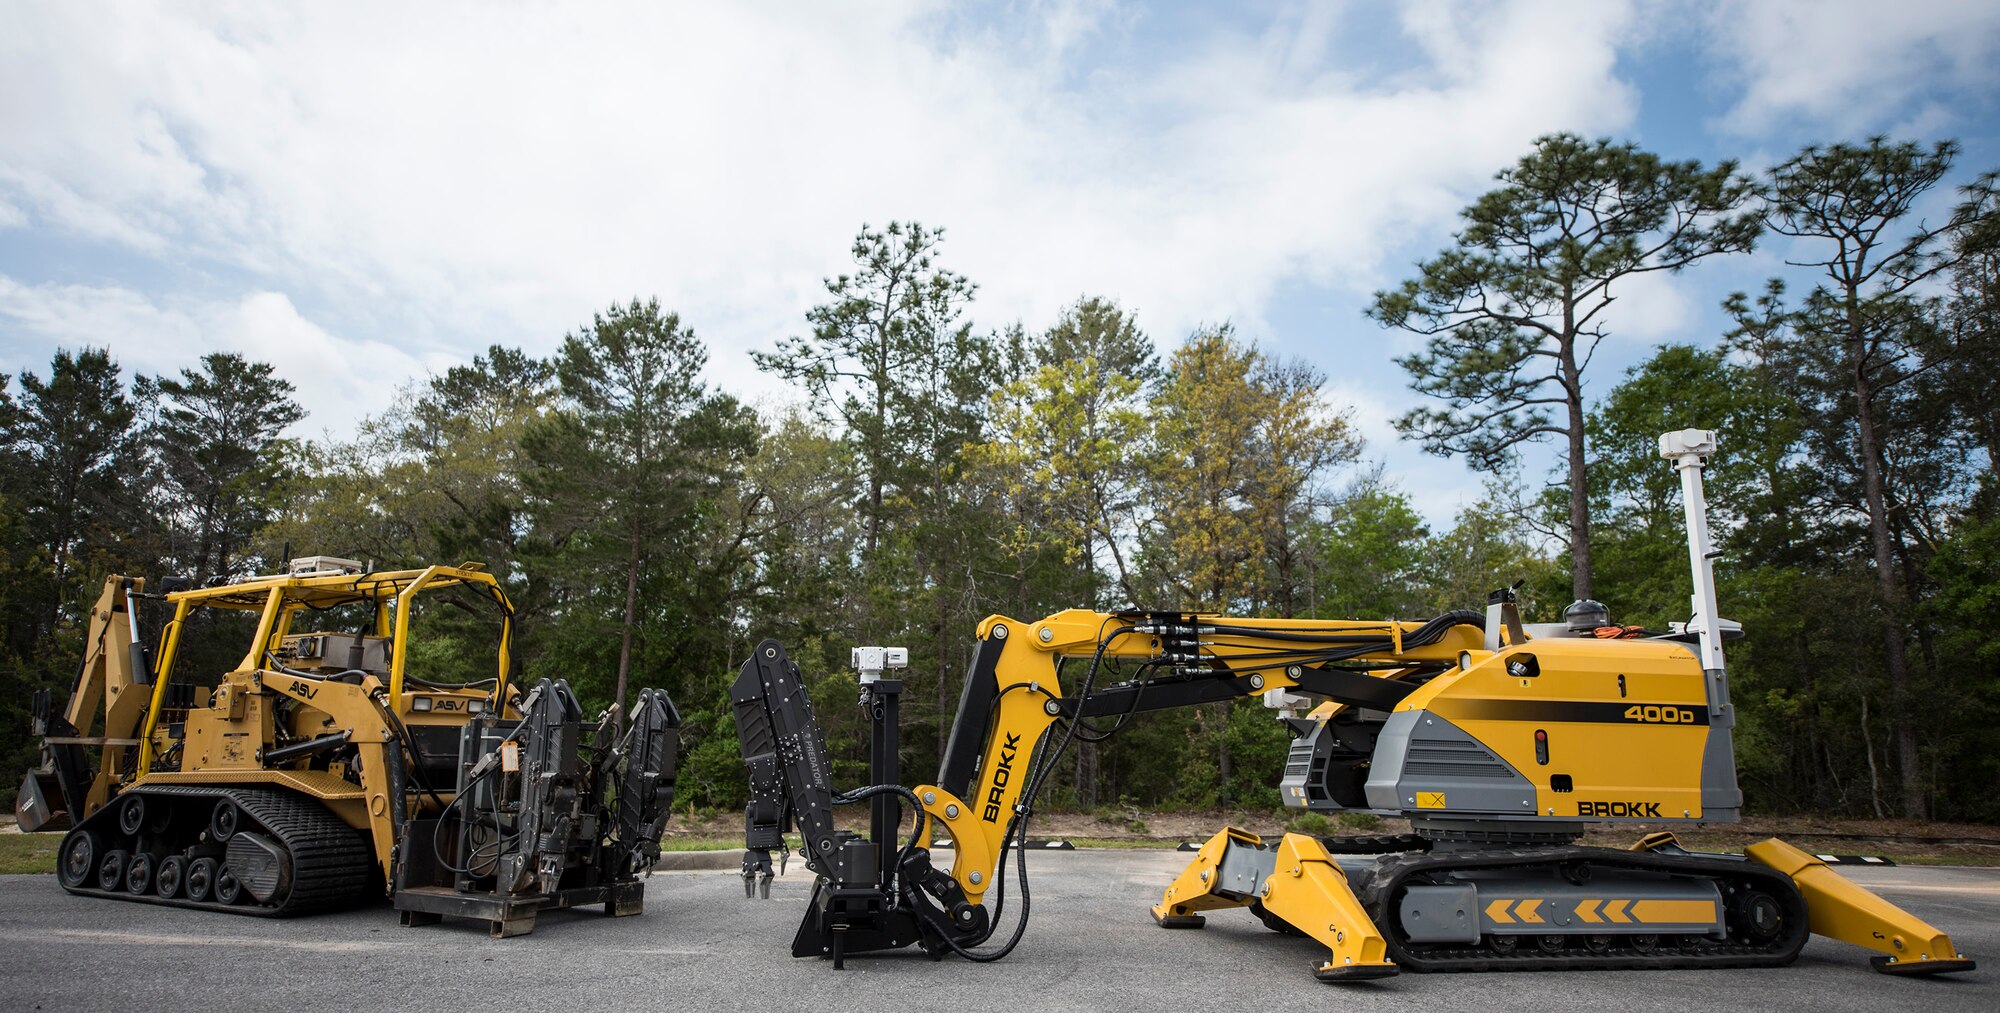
1620, 810
1002, 773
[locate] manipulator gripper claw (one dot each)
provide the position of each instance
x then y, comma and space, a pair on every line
757, 874
763, 831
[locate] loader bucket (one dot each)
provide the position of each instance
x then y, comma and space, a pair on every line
32, 809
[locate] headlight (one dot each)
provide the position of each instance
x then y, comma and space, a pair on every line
475, 706
420, 704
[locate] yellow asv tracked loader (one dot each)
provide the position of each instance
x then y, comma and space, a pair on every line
1499, 741
324, 769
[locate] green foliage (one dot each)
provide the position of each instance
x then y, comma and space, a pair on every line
1309, 823
1751, 486
891, 361
1490, 546
711, 769
1371, 556
1237, 440
1059, 451
1870, 359
625, 480
1513, 309
216, 436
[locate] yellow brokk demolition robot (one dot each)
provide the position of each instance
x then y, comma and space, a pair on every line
1498, 741
324, 769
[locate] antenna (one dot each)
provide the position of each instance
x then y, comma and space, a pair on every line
1689, 449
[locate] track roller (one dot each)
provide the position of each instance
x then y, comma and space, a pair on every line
201, 876
167, 879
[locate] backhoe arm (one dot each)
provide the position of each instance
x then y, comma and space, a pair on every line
110, 680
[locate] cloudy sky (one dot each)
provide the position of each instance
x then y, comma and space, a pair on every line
362, 193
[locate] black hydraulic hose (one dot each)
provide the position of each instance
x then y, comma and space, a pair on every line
1092, 733
905, 795
1428, 633
1293, 636
461, 795
307, 747
438, 827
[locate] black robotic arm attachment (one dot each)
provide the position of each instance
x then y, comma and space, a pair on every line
650, 756
790, 780
542, 789
548, 812
865, 896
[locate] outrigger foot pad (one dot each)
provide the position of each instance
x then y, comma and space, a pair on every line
1912, 968
1353, 972
1179, 921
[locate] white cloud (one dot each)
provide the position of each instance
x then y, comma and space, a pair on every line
339, 380
1852, 65
452, 175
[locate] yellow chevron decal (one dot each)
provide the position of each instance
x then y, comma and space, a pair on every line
1498, 911
1682, 911
1587, 910
1618, 911
1529, 910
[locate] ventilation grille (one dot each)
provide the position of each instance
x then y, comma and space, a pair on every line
1298, 762
1448, 759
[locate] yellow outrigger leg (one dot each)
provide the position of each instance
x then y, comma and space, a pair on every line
1293, 879
1838, 908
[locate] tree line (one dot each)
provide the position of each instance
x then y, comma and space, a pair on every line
929, 472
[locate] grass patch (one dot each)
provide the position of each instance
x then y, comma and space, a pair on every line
1309, 823
698, 844
21, 853
1361, 821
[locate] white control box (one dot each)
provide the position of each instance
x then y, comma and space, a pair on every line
1682, 442
871, 662
314, 566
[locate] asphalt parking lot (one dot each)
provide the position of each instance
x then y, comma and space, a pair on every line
700, 945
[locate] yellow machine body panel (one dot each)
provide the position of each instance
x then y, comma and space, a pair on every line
1604, 729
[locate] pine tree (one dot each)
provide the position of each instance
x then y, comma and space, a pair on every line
1515, 309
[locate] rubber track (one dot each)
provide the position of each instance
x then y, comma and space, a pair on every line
1381, 889
1378, 844
332, 866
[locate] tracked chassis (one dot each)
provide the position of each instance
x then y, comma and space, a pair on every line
255, 851
1577, 908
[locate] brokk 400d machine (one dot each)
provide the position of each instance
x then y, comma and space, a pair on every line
324, 768
1499, 742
